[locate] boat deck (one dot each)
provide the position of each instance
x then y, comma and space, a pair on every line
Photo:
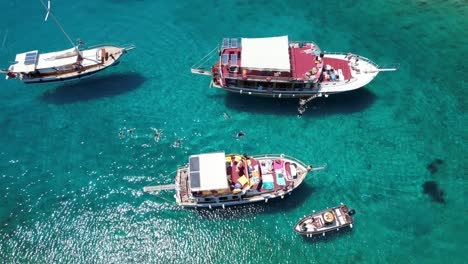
263, 174
93, 61
303, 60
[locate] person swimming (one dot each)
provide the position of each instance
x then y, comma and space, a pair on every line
300, 111
226, 116
157, 134
240, 134
177, 143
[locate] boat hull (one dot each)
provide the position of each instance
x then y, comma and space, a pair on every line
264, 199
78, 76
325, 221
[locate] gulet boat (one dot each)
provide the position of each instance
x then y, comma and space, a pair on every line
325, 221
220, 180
74, 63
280, 68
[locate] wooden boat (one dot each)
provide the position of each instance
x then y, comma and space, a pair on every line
220, 180
280, 68
325, 221
65, 65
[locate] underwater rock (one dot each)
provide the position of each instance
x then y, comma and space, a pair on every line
433, 167
432, 189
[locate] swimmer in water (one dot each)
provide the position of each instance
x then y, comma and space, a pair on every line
301, 111
302, 101
121, 133
226, 116
240, 134
177, 143
130, 130
157, 134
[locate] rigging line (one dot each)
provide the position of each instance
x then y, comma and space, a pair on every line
60, 26
207, 57
4, 39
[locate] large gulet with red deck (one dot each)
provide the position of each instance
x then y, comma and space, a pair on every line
220, 180
277, 67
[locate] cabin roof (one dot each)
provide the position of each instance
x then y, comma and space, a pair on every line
266, 53
57, 59
208, 172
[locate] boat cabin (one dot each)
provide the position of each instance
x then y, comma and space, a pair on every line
275, 63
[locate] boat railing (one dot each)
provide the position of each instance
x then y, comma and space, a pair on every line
252, 77
126, 46
381, 67
281, 156
303, 42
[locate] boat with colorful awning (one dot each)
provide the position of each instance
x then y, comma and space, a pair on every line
220, 180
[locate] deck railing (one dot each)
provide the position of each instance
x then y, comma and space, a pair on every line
281, 156
382, 67
251, 77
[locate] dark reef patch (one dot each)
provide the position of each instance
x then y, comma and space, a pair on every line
432, 189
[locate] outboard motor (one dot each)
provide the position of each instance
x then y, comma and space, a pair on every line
351, 212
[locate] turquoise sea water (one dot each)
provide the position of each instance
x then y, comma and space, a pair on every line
71, 188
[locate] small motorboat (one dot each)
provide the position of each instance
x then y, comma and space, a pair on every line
325, 221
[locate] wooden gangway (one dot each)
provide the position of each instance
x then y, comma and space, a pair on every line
159, 188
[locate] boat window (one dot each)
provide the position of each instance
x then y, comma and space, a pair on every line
223, 198
283, 86
231, 81
225, 59
248, 84
234, 59
299, 85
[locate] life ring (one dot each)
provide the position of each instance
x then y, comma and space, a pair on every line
328, 217
282, 156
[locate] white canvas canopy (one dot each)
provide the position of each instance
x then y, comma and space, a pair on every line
57, 59
266, 53
208, 172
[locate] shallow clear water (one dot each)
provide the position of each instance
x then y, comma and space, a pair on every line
72, 187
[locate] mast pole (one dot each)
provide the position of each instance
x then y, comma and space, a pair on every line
49, 12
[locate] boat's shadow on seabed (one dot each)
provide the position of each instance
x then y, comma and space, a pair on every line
290, 202
342, 103
94, 87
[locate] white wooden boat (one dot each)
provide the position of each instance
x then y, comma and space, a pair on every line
280, 68
330, 219
220, 180
71, 64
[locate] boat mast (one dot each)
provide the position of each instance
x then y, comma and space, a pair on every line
49, 12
